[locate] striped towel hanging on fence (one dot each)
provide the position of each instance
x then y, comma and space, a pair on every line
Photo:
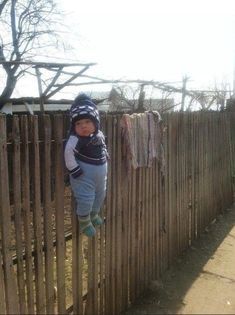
142, 134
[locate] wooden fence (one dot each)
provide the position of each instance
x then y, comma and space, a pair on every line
151, 217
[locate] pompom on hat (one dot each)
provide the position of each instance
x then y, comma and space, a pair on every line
83, 107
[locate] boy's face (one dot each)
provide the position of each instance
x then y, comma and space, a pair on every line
84, 127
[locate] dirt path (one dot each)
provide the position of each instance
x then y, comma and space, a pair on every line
202, 281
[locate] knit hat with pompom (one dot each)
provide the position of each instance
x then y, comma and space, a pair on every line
83, 107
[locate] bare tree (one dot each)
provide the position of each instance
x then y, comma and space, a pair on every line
26, 28
211, 99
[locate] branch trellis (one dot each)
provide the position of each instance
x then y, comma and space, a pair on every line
66, 74
48, 89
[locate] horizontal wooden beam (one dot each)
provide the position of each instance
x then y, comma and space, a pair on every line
46, 64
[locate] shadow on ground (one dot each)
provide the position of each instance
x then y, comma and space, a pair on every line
166, 296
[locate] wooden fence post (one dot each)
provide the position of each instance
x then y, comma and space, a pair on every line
59, 212
77, 262
12, 306
26, 212
48, 224
17, 211
37, 218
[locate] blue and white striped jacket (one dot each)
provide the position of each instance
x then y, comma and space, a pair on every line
91, 150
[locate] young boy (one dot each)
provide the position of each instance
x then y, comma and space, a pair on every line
86, 160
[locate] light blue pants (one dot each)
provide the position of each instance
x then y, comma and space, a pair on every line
89, 188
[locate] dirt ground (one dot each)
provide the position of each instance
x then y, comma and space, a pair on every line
202, 281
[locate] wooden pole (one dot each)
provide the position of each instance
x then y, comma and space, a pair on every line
38, 74
185, 79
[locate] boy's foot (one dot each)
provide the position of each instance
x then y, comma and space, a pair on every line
89, 230
96, 219
86, 226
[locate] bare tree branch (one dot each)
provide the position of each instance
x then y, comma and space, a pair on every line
67, 82
29, 26
2, 6
53, 81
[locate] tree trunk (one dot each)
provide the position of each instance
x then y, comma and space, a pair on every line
8, 90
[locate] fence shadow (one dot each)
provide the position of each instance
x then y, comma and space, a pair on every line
166, 296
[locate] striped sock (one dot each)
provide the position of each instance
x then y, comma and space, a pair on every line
96, 219
86, 225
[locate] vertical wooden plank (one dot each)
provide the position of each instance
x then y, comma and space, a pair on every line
132, 239
26, 213
154, 245
102, 239
179, 181
140, 232
37, 219
182, 199
114, 261
150, 238
188, 176
148, 225
2, 289
108, 258
184, 182
102, 265
204, 138
94, 272
177, 186
171, 185
151, 197
204, 173
145, 218
169, 180
196, 163
158, 223
212, 166
126, 226
17, 212
192, 179
92, 292
223, 166
135, 211
118, 222
198, 183
207, 170
138, 228
75, 267
12, 306
200, 175
48, 227
77, 262
161, 223
228, 161
59, 213
141, 223
163, 207
211, 214
164, 176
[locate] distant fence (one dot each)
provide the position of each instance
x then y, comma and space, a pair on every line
151, 217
